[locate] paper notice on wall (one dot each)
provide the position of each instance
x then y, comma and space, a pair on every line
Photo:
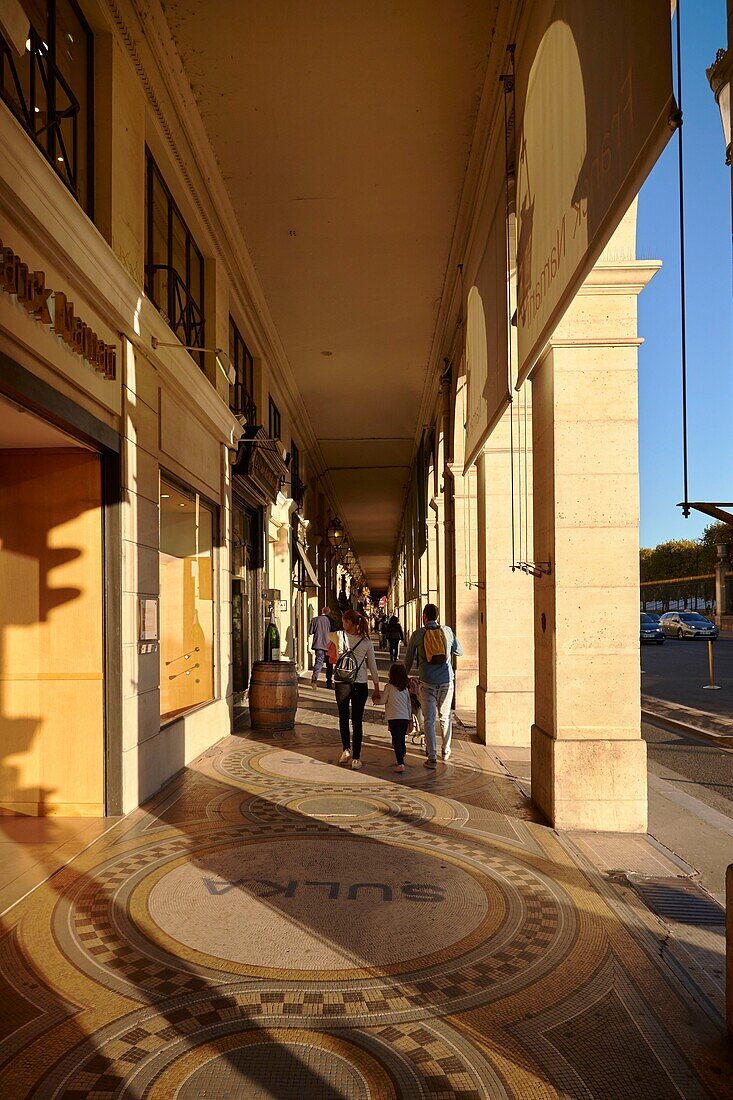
593, 106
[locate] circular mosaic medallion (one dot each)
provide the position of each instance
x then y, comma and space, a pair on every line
316, 904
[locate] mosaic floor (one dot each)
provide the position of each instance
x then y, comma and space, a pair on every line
274, 925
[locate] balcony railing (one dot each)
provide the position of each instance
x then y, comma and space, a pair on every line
177, 305
243, 404
45, 105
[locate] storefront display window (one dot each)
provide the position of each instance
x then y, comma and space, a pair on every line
186, 600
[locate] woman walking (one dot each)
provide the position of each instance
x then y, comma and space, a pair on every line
355, 656
395, 635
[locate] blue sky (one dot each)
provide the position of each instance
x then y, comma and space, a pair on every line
709, 300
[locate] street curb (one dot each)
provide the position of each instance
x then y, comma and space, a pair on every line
684, 727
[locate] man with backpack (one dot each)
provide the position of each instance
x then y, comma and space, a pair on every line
433, 646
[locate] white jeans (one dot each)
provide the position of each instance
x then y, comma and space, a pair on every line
435, 700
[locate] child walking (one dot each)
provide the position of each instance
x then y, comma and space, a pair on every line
397, 711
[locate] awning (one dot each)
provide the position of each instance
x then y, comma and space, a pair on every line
312, 578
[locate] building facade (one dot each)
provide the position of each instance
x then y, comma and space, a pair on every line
155, 479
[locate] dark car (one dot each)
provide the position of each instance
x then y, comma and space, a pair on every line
687, 624
649, 631
652, 615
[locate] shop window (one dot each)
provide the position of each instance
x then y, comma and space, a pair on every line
241, 393
186, 600
50, 90
174, 264
274, 421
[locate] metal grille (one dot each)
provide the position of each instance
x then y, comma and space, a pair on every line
678, 899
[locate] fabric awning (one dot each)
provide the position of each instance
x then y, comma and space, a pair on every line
312, 578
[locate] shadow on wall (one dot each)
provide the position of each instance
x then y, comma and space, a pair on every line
51, 640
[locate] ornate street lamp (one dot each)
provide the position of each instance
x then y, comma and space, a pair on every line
336, 533
719, 76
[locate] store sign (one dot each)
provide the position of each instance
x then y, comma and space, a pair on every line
259, 462
53, 308
594, 109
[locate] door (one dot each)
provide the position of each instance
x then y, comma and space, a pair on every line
51, 633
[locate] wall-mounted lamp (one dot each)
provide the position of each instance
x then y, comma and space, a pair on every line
336, 533
228, 372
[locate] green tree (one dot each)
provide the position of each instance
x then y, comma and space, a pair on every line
713, 534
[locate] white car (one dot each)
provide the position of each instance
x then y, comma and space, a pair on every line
687, 624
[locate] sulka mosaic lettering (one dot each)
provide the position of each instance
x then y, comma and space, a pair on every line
330, 890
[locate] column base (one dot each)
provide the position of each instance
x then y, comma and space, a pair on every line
597, 785
504, 717
465, 685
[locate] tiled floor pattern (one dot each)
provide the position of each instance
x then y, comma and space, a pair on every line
276, 926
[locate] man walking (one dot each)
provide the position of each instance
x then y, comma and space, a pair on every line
394, 637
433, 646
320, 628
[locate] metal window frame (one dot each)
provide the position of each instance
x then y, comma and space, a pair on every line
297, 488
241, 401
47, 140
182, 309
273, 420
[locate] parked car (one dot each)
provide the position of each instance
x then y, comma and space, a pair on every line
687, 624
649, 631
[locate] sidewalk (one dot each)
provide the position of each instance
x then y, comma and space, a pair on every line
702, 723
273, 925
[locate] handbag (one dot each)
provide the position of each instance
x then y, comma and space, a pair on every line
347, 667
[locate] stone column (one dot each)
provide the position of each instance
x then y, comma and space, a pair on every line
588, 758
464, 558
465, 572
505, 692
443, 528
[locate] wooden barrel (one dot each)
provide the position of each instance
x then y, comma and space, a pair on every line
273, 696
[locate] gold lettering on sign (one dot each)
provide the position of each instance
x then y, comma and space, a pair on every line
29, 287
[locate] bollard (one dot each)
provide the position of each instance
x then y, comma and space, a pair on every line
729, 948
712, 686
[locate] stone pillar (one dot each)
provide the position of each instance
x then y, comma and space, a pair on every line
588, 758
443, 527
465, 572
722, 593
464, 561
505, 692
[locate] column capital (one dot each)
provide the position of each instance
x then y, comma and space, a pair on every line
629, 277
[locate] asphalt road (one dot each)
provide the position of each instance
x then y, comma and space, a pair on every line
677, 671
691, 800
